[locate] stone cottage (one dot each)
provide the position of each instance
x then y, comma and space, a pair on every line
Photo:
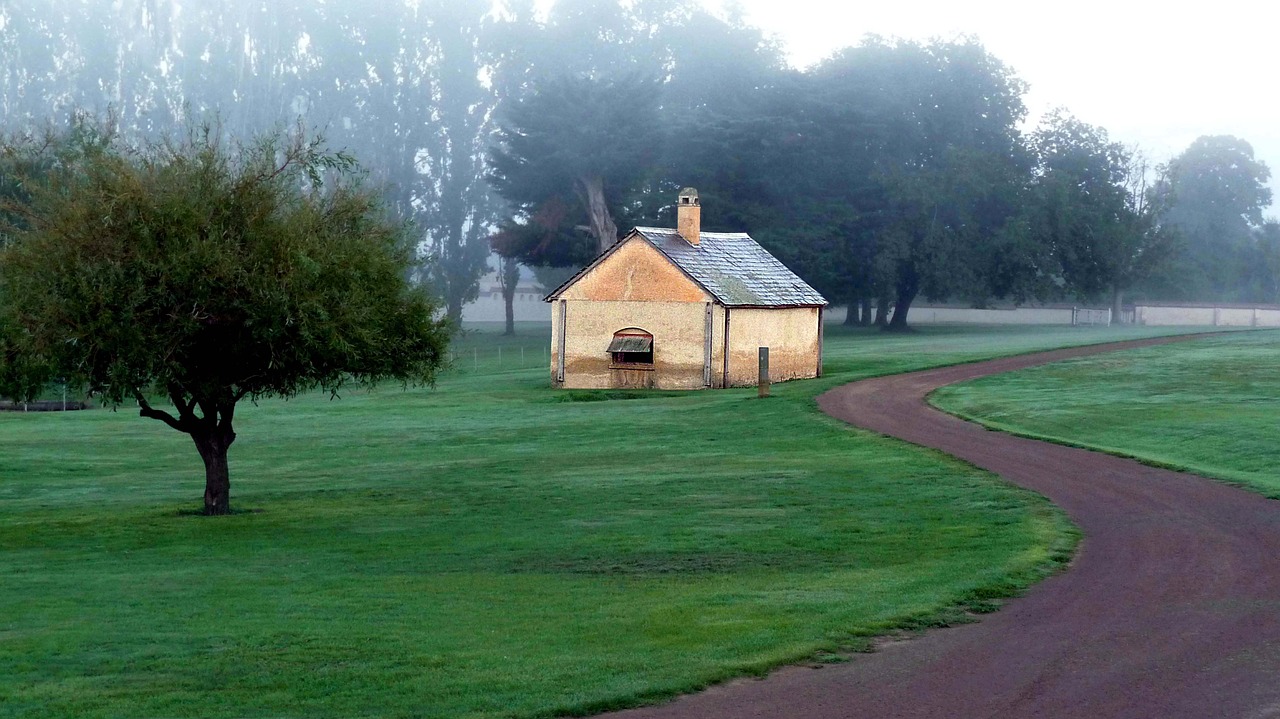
683, 309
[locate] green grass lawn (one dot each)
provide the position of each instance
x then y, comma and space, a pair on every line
491, 547
1211, 406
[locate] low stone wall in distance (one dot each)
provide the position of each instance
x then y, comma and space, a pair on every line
1155, 314
925, 315
1170, 314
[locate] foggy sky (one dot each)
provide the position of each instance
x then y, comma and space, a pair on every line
1158, 75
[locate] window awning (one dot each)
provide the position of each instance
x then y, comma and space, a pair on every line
631, 343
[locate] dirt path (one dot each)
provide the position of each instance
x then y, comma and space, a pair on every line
1170, 609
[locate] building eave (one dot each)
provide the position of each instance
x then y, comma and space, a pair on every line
774, 307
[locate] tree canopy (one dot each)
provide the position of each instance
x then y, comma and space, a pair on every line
893, 165
586, 139
1095, 211
1215, 193
205, 271
895, 168
592, 130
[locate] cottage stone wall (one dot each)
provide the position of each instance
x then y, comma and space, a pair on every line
679, 337
790, 334
635, 272
635, 287
678, 330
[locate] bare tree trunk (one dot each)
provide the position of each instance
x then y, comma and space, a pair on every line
454, 310
908, 288
864, 318
900, 309
882, 311
508, 280
213, 448
212, 433
851, 318
1117, 304
601, 222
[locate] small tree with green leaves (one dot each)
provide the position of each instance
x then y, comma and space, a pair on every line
209, 272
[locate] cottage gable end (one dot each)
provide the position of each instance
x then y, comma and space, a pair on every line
634, 271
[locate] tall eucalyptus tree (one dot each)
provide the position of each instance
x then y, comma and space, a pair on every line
404, 85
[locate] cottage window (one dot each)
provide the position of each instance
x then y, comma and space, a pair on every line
631, 347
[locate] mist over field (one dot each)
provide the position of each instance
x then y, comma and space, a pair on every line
891, 170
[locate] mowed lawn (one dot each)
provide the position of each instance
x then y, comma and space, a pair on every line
491, 547
1210, 406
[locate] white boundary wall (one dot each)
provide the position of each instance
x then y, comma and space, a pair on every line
965, 315
1206, 315
925, 315
1154, 315
490, 307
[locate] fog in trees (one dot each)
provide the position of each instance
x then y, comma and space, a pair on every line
1216, 193
400, 85
891, 171
1094, 210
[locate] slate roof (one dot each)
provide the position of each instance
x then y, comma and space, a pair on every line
730, 266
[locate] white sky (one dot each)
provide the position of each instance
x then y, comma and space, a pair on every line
1154, 74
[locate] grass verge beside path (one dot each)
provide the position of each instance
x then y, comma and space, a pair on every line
492, 548
1211, 406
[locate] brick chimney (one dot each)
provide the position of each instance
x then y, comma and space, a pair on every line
689, 216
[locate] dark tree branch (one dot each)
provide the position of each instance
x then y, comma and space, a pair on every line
210, 411
178, 397
228, 413
145, 410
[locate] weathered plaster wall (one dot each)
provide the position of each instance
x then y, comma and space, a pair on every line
678, 342
636, 272
790, 334
636, 286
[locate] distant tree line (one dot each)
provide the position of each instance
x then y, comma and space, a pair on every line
891, 171
403, 86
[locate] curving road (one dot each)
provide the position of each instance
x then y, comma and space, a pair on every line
1171, 607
